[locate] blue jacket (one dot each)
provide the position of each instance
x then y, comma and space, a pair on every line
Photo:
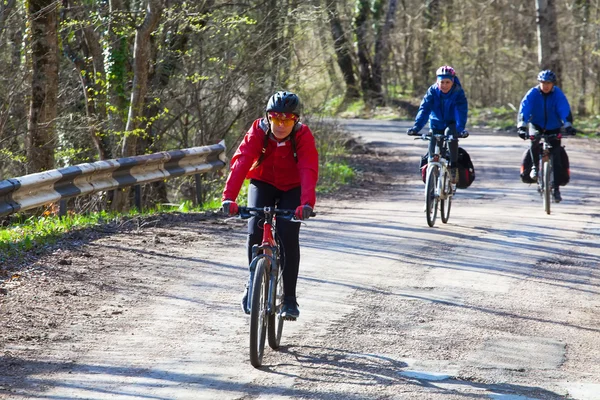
545, 111
442, 109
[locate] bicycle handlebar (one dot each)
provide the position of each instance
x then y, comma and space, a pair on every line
288, 215
429, 135
550, 136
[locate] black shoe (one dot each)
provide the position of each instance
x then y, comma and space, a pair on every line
245, 307
290, 308
557, 196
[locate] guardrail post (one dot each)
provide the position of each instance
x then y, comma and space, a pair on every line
138, 197
198, 178
62, 208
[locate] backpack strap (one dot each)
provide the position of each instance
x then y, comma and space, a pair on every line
265, 126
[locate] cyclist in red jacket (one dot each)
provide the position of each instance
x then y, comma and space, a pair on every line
279, 156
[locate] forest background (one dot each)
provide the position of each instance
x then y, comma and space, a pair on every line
86, 80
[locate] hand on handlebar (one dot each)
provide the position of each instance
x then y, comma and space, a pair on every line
230, 207
523, 133
464, 134
412, 132
304, 212
569, 130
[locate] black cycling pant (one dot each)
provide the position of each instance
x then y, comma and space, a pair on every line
449, 132
555, 151
261, 194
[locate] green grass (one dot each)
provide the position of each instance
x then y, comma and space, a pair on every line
33, 233
494, 117
333, 175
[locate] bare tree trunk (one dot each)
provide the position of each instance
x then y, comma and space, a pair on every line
425, 63
362, 43
5, 8
117, 60
141, 56
140, 76
41, 139
89, 63
343, 51
327, 56
382, 51
548, 41
582, 8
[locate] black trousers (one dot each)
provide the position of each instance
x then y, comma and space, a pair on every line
555, 151
450, 132
261, 194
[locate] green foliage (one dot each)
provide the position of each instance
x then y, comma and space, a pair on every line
493, 117
333, 175
588, 126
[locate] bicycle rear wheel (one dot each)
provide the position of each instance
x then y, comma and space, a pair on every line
447, 203
431, 201
547, 173
258, 311
275, 324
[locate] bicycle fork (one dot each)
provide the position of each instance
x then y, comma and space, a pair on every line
441, 191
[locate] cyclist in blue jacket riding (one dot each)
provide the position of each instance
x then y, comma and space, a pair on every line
546, 110
445, 106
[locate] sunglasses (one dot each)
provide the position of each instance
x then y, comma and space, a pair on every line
285, 119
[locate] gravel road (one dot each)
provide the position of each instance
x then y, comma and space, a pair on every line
500, 303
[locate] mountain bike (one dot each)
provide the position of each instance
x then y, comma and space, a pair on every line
545, 170
438, 187
265, 288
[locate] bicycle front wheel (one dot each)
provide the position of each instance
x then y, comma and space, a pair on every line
258, 311
431, 200
275, 321
547, 173
446, 203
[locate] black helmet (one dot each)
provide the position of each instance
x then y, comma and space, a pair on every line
286, 102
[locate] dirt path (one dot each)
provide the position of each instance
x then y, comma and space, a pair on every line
500, 303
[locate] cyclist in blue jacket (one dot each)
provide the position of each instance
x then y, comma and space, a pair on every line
546, 110
445, 106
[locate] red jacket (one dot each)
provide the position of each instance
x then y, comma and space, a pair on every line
278, 166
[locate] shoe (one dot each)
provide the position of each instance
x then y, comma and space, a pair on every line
244, 304
557, 196
290, 308
533, 174
454, 176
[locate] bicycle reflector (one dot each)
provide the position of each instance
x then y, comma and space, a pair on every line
436, 158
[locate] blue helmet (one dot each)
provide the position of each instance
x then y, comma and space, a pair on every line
547, 76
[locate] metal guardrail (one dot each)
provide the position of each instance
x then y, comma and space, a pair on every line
36, 190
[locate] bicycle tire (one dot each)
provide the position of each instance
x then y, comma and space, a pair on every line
547, 173
447, 203
431, 201
258, 320
275, 320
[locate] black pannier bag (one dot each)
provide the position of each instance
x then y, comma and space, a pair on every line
526, 165
423, 166
565, 173
466, 171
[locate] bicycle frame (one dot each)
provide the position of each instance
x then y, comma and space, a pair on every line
545, 169
271, 252
440, 159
